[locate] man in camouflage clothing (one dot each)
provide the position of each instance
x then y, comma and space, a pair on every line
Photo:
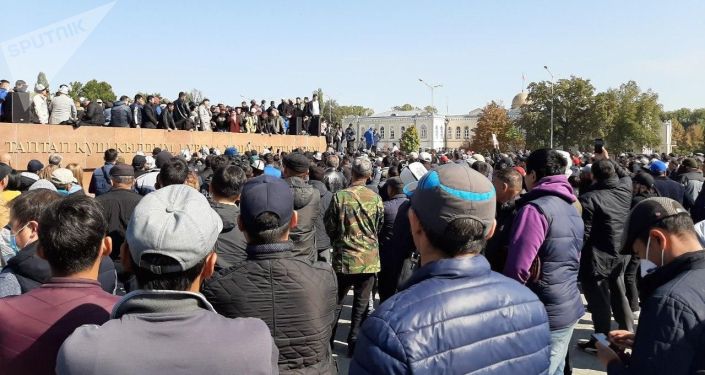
353, 220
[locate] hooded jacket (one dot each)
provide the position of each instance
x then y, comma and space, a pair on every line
307, 204
231, 243
121, 115
322, 238
544, 249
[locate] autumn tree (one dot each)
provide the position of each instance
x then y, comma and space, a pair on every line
493, 120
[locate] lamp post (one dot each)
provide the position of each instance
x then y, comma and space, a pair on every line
552, 99
431, 87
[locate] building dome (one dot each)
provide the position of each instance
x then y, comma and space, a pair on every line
519, 100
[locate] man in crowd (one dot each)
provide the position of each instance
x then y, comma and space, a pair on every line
168, 326
390, 261
4, 90
307, 202
606, 208
664, 185
295, 297
100, 181
121, 114
350, 138
447, 317
225, 188
166, 119
93, 114
548, 231
136, 110
150, 119
333, 179
147, 182
62, 107
692, 180
182, 113
118, 205
669, 339
353, 221
40, 105
73, 239
173, 172
508, 184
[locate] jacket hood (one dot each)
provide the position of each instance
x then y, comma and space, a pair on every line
319, 185
28, 264
303, 192
228, 214
118, 103
551, 185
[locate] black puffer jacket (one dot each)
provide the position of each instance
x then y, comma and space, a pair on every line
231, 243
296, 299
307, 204
322, 238
605, 211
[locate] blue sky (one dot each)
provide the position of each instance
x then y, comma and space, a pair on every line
372, 53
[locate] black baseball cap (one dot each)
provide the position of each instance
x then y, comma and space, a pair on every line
5, 170
452, 191
297, 162
266, 194
122, 170
34, 166
645, 215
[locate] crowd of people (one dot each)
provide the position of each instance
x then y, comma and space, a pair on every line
289, 116
222, 261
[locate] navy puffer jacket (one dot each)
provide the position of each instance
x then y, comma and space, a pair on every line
455, 316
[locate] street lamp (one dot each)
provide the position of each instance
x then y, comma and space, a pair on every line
432, 87
552, 98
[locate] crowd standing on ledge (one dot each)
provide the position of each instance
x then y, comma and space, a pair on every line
289, 116
479, 262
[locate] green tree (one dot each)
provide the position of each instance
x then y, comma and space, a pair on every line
410, 140
637, 121
430, 109
94, 90
75, 88
493, 120
404, 107
42, 79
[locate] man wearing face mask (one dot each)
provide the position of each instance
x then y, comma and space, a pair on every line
670, 336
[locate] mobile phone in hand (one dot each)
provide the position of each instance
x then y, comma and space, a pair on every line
601, 338
599, 144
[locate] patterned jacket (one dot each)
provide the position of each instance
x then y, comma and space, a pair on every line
353, 221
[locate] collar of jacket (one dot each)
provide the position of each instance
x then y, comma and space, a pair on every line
451, 268
28, 264
270, 250
609, 183
71, 282
159, 301
689, 261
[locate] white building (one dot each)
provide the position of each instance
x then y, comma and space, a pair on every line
435, 131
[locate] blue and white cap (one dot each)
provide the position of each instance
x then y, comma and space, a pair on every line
452, 191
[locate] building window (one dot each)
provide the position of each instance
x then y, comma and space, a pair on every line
449, 134
423, 131
457, 132
391, 133
466, 133
381, 132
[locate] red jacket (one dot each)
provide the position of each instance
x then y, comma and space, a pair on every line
35, 324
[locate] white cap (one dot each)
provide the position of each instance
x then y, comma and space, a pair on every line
425, 156
478, 157
568, 171
414, 154
412, 172
64, 89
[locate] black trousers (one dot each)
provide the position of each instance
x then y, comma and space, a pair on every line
606, 296
362, 284
631, 283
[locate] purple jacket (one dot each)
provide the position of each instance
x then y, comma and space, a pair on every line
35, 324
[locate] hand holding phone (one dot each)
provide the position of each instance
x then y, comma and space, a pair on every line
601, 338
599, 144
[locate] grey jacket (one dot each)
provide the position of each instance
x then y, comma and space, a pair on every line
169, 332
62, 109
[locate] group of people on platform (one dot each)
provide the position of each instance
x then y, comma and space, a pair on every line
290, 116
221, 261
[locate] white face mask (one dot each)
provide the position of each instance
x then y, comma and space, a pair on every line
648, 266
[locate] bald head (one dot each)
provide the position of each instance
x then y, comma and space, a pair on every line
6, 159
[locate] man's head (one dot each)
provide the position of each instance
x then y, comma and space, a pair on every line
124, 99
543, 163
227, 183
122, 176
55, 159
332, 161
73, 236
507, 184
296, 165
452, 212
63, 179
139, 99
5, 171
4, 84
660, 230
361, 168
266, 210
658, 168
25, 211
20, 86
110, 155
394, 186
173, 172
603, 170
170, 239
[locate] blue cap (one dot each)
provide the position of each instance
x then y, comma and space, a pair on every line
272, 171
266, 194
231, 151
657, 166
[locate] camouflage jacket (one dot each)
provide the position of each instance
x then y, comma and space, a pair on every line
353, 220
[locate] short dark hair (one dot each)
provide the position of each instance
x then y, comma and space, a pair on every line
546, 162
482, 167
138, 97
168, 281
30, 205
602, 170
124, 98
150, 97
509, 176
219, 161
228, 181
461, 236
71, 231
110, 155
265, 229
173, 172
678, 224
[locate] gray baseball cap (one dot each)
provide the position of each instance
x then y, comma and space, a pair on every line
176, 222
